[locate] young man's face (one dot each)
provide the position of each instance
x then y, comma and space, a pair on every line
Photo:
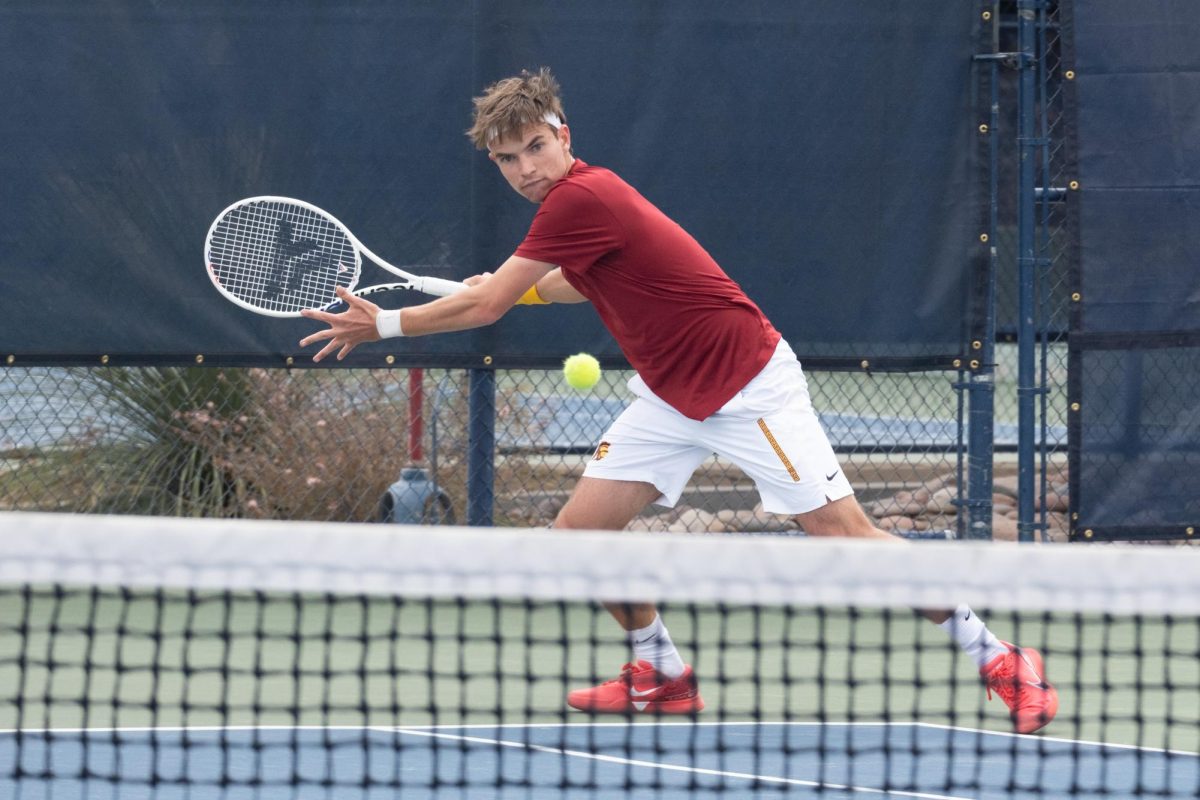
532, 163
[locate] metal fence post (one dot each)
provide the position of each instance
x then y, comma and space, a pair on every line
981, 384
481, 446
1028, 144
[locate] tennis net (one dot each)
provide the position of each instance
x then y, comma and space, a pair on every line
149, 657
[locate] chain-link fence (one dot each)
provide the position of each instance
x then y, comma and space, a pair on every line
1052, 191
371, 444
363, 445
1054, 295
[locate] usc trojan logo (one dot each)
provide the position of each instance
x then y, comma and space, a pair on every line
601, 451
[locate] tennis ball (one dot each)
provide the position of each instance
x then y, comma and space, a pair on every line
581, 371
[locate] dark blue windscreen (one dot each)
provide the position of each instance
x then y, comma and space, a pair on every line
822, 151
1135, 337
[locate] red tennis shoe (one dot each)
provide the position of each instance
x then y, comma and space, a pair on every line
1018, 677
640, 689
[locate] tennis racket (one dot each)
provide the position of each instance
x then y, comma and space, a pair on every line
278, 256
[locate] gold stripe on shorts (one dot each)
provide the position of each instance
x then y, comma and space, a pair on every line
762, 424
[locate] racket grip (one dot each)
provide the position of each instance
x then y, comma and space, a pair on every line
438, 286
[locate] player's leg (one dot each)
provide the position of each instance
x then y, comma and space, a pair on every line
1015, 674
845, 517
773, 434
599, 504
605, 504
645, 457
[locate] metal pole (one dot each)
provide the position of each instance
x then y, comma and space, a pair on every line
416, 415
981, 387
481, 446
1028, 144
1043, 199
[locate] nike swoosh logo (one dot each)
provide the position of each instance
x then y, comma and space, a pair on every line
642, 693
831, 476
1040, 683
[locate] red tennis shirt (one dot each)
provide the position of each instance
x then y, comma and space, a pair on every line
685, 326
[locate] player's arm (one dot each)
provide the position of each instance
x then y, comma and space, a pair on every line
553, 288
481, 304
474, 307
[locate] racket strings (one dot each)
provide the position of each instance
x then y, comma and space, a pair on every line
281, 257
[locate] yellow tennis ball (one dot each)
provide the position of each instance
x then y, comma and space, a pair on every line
581, 371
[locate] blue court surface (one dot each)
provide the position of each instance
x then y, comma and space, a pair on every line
606, 760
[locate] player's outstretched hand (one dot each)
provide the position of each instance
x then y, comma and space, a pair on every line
475, 280
346, 330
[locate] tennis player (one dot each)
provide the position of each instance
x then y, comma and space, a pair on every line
713, 376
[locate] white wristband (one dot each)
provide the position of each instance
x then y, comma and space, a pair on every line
387, 323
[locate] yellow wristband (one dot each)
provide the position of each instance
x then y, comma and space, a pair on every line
532, 298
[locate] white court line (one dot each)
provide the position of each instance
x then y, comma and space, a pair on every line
1057, 740
661, 765
449, 726
797, 724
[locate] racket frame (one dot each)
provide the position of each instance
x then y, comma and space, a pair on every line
434, 286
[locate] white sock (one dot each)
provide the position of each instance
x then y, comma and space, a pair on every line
653, 644
966, 628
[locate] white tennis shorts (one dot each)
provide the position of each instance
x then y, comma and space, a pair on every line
769, 430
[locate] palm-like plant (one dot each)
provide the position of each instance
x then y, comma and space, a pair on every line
157, 463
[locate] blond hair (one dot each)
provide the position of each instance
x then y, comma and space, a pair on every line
508, 107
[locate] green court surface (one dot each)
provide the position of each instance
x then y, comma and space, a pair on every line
170, 659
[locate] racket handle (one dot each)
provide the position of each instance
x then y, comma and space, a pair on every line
438, 286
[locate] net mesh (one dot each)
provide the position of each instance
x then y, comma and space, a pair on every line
278, 256
216, 658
